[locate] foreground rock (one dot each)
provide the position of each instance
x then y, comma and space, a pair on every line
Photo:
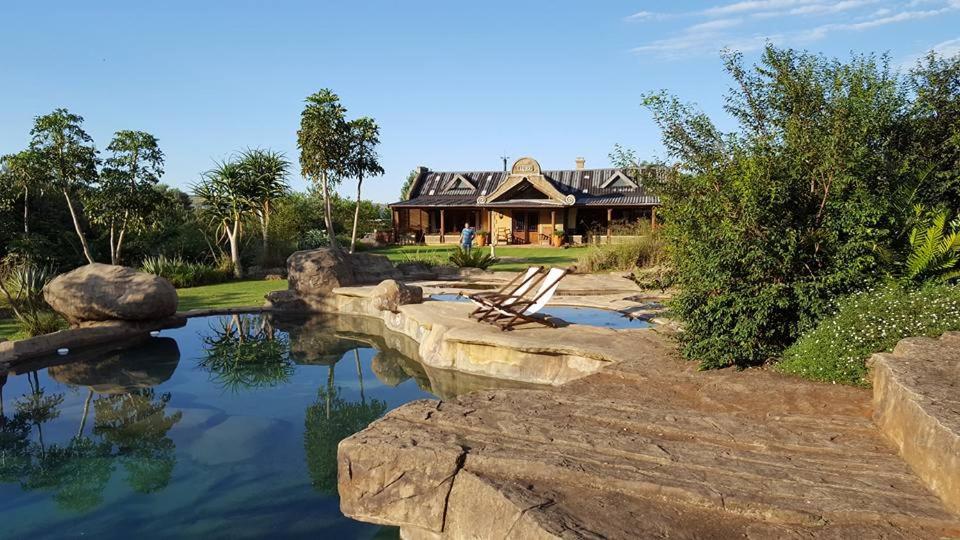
916, 393
391, 294
104, 292
647, 447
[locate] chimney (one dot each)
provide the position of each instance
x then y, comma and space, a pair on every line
581, 163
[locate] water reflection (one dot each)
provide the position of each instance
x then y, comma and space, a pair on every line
129, 429
124, 439
244, 351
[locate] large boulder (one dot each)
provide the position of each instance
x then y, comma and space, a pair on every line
390, 294
104, 292
318, 271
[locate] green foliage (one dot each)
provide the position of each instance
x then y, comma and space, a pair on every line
38, 324
183, 273
328, 421
836, 349
408, 185
126, 194
69, 158
766, 226
245, 353
934, 247
472, 258
324, 142
642, 250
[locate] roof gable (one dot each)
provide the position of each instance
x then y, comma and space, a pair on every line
460, 183
619, 180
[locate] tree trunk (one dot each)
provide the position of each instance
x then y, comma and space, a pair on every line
328, 213
26, 210
123, 232
113, 253
356, 217
265, 232
76, 226
233, 234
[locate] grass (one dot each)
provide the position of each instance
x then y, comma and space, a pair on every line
512, 258
230, 294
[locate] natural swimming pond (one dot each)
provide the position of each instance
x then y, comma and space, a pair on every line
227, 427
607, 318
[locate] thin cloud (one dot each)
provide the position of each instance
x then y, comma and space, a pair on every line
719, 32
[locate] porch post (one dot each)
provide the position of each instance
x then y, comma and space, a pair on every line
493, 237
443, 227
553, 221
609, 224
653, 217
476, 220
396, 226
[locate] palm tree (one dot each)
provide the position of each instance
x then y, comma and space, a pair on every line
267, 176
363, 160
226, 200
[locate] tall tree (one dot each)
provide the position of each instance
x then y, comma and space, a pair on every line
23, 172
323, 142
126, 192
70, 158
266, 173
225, 199
364, 134
407, 184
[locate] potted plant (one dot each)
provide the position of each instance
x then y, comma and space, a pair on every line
481, 239
558, 237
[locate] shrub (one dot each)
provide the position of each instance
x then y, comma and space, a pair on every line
38, 324
25, 281
768, 225
426, 257
868, 322
642, 251
187, 274
473, 258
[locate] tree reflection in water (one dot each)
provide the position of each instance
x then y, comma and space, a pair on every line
246, 352
128, 428
331, 419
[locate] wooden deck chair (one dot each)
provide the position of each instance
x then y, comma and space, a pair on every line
522, 310
516, 287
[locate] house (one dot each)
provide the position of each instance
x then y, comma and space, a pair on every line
523, 205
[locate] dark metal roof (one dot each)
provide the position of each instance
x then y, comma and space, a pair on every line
431, 188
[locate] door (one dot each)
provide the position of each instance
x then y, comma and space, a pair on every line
526, 227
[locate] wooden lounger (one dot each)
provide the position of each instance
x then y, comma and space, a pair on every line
515, 289
521, 310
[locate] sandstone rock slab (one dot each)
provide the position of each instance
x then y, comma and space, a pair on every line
104, 292
390, 294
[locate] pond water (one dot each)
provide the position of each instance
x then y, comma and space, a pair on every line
607, 318
227, 427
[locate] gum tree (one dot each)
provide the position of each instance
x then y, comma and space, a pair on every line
323, 139
126, 195
70, 160
364, 134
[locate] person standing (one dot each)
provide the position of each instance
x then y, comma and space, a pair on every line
466, 237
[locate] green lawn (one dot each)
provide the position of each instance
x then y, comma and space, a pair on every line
250, 292
230, 294
513, 258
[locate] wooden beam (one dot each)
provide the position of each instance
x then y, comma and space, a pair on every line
609, 224
443, 224
396, 226
653, 217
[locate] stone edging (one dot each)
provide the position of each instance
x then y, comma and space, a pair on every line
915, 406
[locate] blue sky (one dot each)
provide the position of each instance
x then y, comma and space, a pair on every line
453, 85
